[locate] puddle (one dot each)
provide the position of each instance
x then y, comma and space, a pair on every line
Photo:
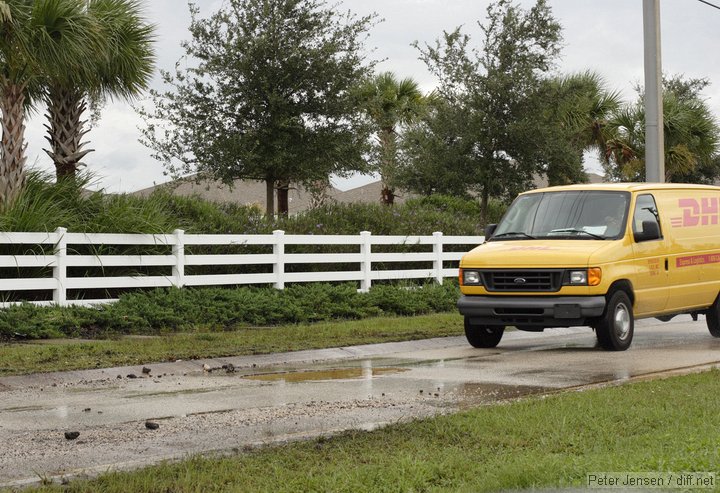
618, 376
585, 376
317, 375
477, 393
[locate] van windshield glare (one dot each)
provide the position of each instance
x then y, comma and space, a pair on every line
581, 215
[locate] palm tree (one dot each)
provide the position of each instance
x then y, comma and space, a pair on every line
5, 14
122, 69
391, 103
582, 107
691, 138
37, 38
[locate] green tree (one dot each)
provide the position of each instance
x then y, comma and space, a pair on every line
122, 69
691, 136
579, 109
435, 158
270, 98
38, 39
390, 103
496, 91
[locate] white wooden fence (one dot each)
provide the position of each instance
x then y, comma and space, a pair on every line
65, 256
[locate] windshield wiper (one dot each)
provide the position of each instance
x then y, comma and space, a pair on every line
575, 230
513, 233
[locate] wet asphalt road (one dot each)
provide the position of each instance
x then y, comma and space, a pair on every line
275, 398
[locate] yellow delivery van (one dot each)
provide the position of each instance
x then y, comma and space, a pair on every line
597, 255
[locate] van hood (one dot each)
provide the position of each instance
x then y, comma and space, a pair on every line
533, 253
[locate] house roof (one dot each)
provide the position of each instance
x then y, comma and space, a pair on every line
252, 192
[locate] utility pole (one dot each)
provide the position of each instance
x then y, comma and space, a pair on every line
654, 140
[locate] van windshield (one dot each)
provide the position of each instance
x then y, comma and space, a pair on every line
581, 215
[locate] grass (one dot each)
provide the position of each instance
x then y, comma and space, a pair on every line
16, 358
657, 426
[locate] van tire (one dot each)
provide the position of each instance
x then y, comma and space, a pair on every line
483, 336
616, 326
712, 317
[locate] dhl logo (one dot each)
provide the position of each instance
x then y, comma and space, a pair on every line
696, 213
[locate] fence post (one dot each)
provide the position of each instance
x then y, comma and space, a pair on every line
438, 251
366, 263
178, 251
60, 269
279, 265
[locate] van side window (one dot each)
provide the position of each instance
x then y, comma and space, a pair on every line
645, 211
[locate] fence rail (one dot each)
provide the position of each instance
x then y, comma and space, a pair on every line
372, 265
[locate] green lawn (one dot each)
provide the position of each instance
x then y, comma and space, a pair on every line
16, 358
666, 425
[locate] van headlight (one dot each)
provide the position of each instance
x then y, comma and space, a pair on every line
471, 277
584, 277
578, 277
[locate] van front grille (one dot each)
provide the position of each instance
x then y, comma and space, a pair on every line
522, 280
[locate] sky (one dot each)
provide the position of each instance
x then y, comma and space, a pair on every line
604, 36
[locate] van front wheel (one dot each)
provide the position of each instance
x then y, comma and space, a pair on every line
483, 336
712, 317
615, 328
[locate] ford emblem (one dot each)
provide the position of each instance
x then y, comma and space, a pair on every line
520, 280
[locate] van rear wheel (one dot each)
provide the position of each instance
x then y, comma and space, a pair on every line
483, 336
712, 317
616, 326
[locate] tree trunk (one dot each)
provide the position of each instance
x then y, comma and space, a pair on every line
388, 163
270, 198
387, 195
65, 130
484, 200
283, 190
12, 152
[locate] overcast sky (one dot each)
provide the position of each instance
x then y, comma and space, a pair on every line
604, 36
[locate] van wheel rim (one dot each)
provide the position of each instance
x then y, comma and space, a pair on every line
622, 321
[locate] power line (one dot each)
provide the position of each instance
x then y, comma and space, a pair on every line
710, 4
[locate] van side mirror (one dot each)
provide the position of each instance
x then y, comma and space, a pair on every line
489, 230
650, 231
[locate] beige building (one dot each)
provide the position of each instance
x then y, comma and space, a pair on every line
252, 192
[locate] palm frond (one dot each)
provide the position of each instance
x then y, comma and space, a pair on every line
130, 62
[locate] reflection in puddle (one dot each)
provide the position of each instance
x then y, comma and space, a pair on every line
332, 374
471, 394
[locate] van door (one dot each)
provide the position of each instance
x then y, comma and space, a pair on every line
650, 252
693, 230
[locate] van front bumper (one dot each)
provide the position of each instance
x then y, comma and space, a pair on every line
531, 311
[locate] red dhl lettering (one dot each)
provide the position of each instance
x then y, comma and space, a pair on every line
704, 212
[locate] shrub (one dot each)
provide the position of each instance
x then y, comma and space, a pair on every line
176, 310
